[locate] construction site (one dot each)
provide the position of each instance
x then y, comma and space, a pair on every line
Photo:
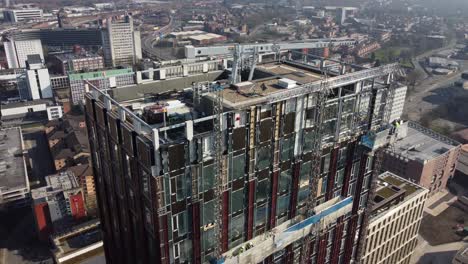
248, 153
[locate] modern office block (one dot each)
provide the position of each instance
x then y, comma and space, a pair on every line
397, 211
17, 51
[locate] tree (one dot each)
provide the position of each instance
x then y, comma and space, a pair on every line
413, 77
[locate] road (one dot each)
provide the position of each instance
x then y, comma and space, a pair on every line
418, 58
432, 91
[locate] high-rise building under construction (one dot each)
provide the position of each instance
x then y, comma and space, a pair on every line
277, 169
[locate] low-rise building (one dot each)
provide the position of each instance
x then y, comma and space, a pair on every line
84, 175
67, 141
58, 204
396, 214
423, 156
14, 183
64, 63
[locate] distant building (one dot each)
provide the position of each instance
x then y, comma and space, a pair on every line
57, 204
37, 78
14, 183
121, 43
394, 222
462, 256
54, 112
64, 63
60, 82
19, 15
17, 51
20, 109
423, 156
105, 79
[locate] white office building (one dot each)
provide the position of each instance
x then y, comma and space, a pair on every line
17, 51
19, 15
38, 79
122, 44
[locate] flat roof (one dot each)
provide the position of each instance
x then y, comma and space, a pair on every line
390, 188
26, 103
13, 173
422, 144
291, 72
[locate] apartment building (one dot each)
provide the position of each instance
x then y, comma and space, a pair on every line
184, 178
397, 211
121, 43
423, 156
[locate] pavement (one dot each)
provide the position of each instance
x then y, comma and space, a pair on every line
440, 208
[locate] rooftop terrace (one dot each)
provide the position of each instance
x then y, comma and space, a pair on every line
392, 190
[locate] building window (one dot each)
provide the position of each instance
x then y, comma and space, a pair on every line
208, 180
181, 186
282, 205
236, 227
325, 163
238, 167
285, 181
287, 148
262, 190
339, 177
263, 157
260, 215
208, 212
179, 223
305, 174
237, 200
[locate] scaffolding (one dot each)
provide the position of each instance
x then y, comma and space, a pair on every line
221, 181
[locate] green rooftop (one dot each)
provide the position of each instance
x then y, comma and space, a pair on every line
76, 76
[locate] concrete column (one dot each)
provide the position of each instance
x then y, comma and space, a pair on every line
162, 74
151, 74
139, 79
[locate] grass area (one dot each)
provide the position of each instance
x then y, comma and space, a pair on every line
391, 54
